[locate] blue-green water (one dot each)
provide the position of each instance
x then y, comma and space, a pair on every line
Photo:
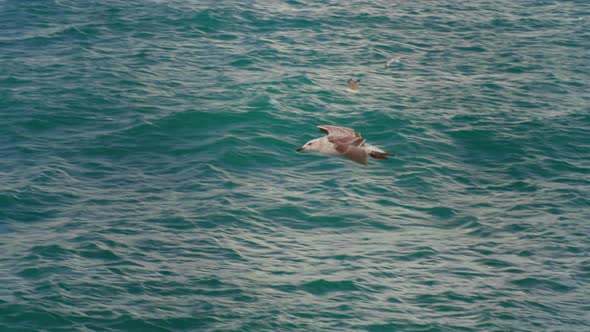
149, 179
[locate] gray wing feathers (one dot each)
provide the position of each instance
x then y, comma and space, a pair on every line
338, 131
357, 155
352, 152
346, 140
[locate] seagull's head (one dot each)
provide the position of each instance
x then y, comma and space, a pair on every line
312, 145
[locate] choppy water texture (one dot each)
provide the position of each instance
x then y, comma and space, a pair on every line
149, 179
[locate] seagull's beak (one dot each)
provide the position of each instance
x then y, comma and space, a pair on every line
299, 149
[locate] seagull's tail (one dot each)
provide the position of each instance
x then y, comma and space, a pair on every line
379, 154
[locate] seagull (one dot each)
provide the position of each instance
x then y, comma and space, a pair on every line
392, 60
353, 85
344, 142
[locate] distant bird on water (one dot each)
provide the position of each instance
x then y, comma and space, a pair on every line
353, 86
344, 142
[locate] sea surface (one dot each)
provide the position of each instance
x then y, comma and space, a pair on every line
149, 179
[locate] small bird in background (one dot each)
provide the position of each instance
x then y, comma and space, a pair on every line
344, 142
353, 85
392, 60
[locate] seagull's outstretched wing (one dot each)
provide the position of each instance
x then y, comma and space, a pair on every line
338, 131
353, 153
350, 147
346, 140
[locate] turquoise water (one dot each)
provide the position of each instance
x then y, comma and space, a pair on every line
149, 179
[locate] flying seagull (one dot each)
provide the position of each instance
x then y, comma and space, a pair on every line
392, 60
344, 142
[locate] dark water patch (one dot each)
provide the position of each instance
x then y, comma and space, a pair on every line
532, 283
419, 254
442, 212
98, 252
495, 263
322, 286
519, 186
173, 223
51, 251
43, 272
32, 318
